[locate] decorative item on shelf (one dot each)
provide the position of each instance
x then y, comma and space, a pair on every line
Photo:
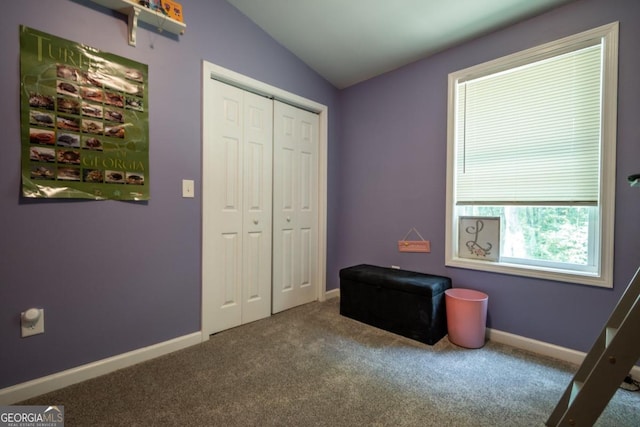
173, 10
156, 5
152, 12
422, 245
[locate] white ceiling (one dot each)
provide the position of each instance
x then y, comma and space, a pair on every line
349, 41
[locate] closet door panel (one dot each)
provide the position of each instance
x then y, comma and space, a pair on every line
306, 251
295, 242
307, 204
222, 208
258, 212
231, 252
237, 206
283, 261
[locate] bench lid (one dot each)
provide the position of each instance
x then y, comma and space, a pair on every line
403, 280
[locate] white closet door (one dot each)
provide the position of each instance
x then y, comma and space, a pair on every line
237, 206
258, 207
295, 205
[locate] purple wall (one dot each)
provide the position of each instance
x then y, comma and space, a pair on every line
392, 176
117, 276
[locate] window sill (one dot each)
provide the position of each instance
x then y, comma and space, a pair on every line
557, 275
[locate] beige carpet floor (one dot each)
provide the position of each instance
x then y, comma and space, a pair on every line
310, 366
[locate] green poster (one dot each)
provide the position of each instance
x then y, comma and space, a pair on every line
84, 121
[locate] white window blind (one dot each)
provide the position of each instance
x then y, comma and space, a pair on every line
531, 135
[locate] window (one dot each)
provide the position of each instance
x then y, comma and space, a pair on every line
531, 141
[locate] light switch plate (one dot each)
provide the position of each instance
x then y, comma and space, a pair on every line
188, 188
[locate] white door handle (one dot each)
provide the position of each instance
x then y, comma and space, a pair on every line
288, 219
255, 221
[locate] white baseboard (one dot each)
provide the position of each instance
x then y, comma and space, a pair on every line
534, 346
26, 390
333, 293
538, 347
39, 386
545, 349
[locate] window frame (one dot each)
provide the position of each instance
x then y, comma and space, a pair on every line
603, 277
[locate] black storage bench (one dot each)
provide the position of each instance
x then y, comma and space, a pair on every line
404, 302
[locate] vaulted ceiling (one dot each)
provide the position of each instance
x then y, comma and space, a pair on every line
349, 41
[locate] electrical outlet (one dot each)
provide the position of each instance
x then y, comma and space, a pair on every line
32, 322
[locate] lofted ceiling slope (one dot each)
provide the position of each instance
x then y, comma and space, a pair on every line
349, 41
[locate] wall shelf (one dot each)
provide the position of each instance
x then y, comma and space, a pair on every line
137, 12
